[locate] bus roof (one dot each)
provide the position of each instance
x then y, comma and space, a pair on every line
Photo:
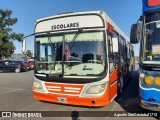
150, 5
100, 13
108, 19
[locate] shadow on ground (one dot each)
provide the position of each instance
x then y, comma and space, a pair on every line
129, 99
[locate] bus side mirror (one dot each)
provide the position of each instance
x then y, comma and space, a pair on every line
115, 45
135, 35
23, 46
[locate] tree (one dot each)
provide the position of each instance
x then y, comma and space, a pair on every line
6, 34
29, 53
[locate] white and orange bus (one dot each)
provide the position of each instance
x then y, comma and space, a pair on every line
80, 59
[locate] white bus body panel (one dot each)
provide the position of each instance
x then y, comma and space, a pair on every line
71, 22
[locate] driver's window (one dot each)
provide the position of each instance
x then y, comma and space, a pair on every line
111, 56
42, 52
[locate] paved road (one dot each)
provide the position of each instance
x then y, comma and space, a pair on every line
16, 95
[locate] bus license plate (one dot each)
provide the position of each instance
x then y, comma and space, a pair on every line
63, 100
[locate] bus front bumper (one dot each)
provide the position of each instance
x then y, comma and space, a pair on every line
72, 100
150, 99
149, 106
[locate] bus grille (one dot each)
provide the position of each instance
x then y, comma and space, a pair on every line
64, 88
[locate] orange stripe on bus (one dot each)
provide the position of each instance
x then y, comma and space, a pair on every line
113, 90
114, 75
113, 83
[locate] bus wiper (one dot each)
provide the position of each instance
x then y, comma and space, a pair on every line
90, 74
73, 41
74, 74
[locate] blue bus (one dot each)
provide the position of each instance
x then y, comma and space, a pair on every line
147, 32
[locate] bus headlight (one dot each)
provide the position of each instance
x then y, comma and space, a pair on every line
157, 81
149, 80
96, 89
37, 86
141, 75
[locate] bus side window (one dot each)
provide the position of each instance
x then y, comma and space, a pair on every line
116, 55
111, 57
121, 49
125, 50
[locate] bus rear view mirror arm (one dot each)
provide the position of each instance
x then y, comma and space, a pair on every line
135, 35
24, 40
24, 43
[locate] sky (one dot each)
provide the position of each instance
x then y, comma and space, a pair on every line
123, 12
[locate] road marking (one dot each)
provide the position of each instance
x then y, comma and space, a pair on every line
30, 106
15, 89
113, 109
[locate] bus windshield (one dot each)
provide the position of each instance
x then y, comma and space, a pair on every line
71, 54
152, 42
